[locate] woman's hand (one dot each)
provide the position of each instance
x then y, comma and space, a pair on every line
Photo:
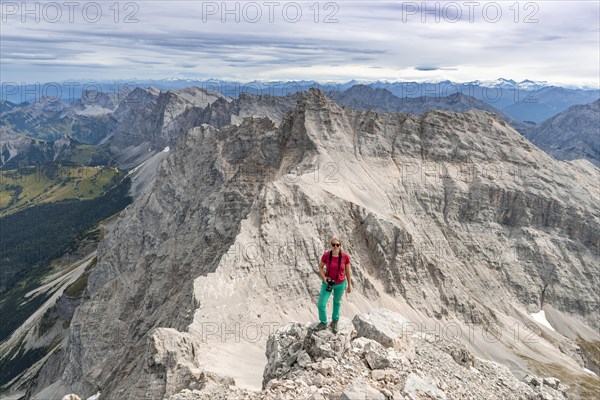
349, 288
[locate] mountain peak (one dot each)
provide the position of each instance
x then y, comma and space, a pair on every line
315, 99
317, 93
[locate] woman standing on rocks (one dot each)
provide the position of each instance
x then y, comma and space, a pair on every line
336, 279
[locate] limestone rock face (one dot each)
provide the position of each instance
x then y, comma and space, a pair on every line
225, 111
148, 120
454, 219
93, 102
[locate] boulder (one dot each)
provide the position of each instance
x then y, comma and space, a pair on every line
552, 382
532, 381
326, 367
463, 357
326, 344
388, 328
282, 349
376, 356
361, 390
303, 359
416, 385
357, 346
378, 374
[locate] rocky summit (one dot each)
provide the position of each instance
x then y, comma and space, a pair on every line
480, 245
371, 357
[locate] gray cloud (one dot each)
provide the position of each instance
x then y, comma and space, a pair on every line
426, 68
63, 64
386, 40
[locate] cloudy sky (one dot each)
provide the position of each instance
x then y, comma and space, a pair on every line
554, 41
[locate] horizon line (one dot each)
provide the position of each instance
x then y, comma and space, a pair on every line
542, 83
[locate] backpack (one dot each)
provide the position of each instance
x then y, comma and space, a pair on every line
339, 262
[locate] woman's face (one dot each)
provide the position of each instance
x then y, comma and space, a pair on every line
335, 245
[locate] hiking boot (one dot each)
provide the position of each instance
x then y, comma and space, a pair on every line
334, 327
320, 327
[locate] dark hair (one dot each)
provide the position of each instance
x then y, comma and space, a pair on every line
339, 261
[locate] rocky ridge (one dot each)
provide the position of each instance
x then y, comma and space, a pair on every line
371, 357
365, 97
572, 134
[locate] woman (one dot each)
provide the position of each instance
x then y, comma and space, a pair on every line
338, 272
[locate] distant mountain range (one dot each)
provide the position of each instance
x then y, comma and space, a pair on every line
524, 101
364, 97
130, 127
527, 100
50, 118
18, 149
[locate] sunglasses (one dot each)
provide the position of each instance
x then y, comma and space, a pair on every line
335, 244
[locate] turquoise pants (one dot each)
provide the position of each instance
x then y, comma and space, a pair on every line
338, 292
